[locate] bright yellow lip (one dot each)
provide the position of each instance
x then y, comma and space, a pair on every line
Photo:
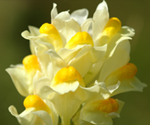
112, 27
33, 101
31, 63
107, 106
80, 38
128, 71
53, 35
68, 74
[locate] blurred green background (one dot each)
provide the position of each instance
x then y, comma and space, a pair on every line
16, 15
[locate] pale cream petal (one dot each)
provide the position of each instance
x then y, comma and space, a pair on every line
46, 92
86, 57
137, 84
71, 27
102, 5
96, 117
27, 35
34, 30
86, 25
114, 87
92, 74
57, 61
43, 58
80, 15
100, 19
82, 122
133, 84
26, 112
34, 36
43, 81
117, 41
66, 105
76, 118
90, 31
53, 114
45, 45
63, 16
50, 71
97, 91
13, 110
60, 23
77, 121
83, 61
66, 87
54, 12
127, 31
98, 53
67, 29
32, 117
37, 76
112, 80
32, 47
124, 87
68, 54
20, 80
44, 116
26, 117
117, 60
60, 26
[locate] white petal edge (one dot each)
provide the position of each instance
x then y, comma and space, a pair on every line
54, 12
80, 15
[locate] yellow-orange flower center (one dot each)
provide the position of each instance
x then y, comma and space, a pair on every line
33, 101
128, 71
68, 75
112, 27
31, 63
108, 105
53, 35
80, 38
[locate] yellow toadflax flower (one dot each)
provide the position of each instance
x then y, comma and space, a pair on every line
99, 112
37, 112
24, 74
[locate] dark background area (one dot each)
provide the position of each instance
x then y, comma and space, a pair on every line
16, 15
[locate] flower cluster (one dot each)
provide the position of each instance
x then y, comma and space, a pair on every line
77, 64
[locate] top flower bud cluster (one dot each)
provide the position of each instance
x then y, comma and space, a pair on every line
76, 66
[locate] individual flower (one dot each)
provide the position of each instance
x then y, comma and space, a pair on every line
99, 112
37, 112
107, 30
32, 68
24, 74
120, 77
